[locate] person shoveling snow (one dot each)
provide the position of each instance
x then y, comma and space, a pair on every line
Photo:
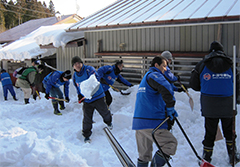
91, 99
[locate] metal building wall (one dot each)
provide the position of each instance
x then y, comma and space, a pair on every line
65, 55
174, 38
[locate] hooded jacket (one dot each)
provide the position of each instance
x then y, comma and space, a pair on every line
111, 74
54, 80
213, 77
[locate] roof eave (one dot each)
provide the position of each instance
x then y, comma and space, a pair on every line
163, 22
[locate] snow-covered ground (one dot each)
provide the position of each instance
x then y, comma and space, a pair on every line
32, 136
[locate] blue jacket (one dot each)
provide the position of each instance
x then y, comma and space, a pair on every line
83, 75
5, 79
53, 80
108, 74
213, 77
171, 77
154, 95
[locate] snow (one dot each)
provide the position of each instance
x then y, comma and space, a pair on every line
89, 87
31, 135
29, 46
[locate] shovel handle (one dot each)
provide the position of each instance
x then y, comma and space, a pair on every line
154, 139
54, 98
188, 140
38, 94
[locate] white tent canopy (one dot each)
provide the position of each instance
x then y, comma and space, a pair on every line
29, 45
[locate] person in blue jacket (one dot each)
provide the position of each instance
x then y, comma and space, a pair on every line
154, 102
52, 82
213, 77
82, 73
108, 75
7, 85
169, 75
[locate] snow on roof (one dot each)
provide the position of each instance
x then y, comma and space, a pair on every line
29, 46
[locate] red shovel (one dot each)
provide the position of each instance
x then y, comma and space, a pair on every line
203, 162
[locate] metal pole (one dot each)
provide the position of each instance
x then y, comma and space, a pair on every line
234, 104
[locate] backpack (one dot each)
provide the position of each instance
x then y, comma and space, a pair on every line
18, 72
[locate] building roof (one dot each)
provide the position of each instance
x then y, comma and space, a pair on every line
148, 12
27, 27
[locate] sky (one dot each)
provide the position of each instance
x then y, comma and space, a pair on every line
31, 135
83, 8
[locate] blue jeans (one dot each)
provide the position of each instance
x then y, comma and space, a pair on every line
55, 92
11, 90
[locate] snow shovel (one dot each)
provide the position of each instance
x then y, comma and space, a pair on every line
92, 93
38, 94
116, 89
155, 141
54, 98
190, 97
203, 162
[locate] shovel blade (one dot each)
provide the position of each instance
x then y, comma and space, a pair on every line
191, 103
206, 164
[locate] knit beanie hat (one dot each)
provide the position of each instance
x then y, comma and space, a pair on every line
67, 74
3, 70
215, 45
76, 59
167, 55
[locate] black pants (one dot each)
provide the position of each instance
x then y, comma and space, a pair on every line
88, 109
211, 125
108, 97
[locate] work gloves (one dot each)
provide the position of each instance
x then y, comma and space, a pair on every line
47, 96
80, 98
171, 112
67, 99
180, 89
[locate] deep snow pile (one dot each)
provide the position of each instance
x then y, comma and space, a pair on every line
31, 135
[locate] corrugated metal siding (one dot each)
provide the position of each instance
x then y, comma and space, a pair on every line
195, 38
64, 57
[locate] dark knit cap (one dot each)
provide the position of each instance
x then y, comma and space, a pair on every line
76, 59
67, 74
3, 70
119, 62
215, 45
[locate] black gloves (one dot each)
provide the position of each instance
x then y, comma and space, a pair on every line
32, 85
47, 96
180, 89
67, 99
103, 81
178, 78
80, 98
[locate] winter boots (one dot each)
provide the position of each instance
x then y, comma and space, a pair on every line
55, 106
207, 153
230, 153
61, 103
159, 160
5, 98
14, 98
87, 140
26, 101
141, 163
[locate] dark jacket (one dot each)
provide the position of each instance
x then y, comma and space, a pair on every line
213, 77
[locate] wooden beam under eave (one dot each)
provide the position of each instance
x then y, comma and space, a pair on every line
175, 54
